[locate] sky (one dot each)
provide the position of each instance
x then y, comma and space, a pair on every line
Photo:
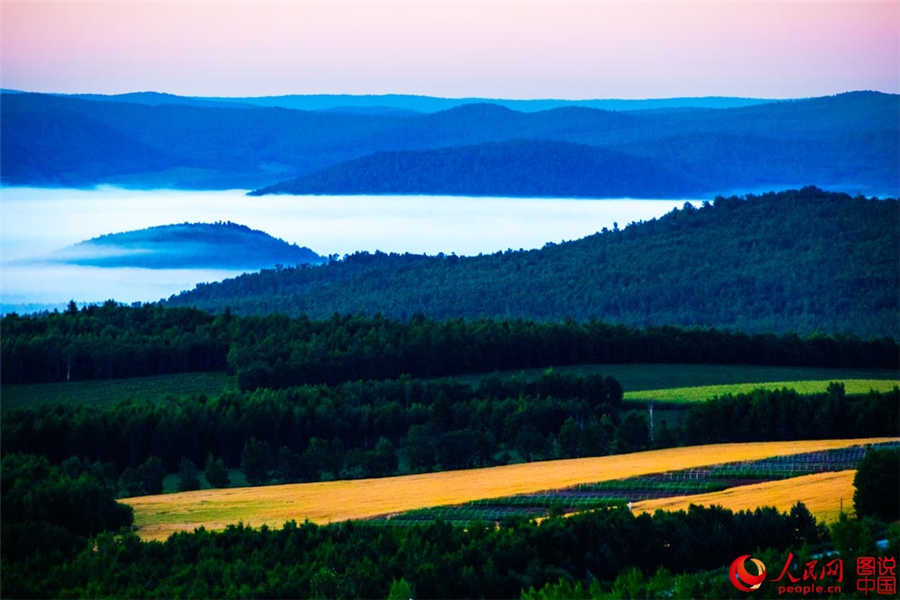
456, 48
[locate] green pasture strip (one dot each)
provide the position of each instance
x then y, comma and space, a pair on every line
654, 376
706, 392
98, 392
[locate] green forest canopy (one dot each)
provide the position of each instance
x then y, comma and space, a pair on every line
803, 261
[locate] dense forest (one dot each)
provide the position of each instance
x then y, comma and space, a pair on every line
801, 261
301, 413
222, 245
358, 560
338, 399
367, 429
111, 341
845, 140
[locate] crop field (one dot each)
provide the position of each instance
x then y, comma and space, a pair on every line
682, 483
110, 391
156, 517
656, 376
824, 494
703, 393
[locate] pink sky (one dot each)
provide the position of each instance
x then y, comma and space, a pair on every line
522, 49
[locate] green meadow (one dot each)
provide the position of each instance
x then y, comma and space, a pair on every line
706, 392
100, 392
659, 376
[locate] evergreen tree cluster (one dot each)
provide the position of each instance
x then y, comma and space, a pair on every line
378, 428
110, 341
877, 483
359, 560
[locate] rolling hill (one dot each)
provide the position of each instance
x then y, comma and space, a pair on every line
513, 168
187, 245
800, 261
57, 140
850, 141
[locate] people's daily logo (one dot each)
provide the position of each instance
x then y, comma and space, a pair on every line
742, 578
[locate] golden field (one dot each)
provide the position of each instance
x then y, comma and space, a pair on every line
822, 493
323, 502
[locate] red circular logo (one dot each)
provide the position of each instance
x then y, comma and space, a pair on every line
743, 579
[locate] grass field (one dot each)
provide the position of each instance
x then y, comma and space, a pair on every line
824, 494
158, 516
703, 393
655, 376
110, 391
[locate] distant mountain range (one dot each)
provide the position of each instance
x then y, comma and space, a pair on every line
802, 261
188, 245
406, 103
398, 144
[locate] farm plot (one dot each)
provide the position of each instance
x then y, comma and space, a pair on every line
824, 494
159, 516
703, 393
636, 377
683, 484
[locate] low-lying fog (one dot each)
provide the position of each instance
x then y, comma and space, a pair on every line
37, 221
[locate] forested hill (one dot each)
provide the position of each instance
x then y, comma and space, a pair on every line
512, 168
850, 141
796, 261
187, 245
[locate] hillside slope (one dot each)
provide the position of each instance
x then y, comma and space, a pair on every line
186, 146
187, 245
803, 261
159, 516
513, 168
146, 140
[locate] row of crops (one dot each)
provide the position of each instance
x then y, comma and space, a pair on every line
622, 492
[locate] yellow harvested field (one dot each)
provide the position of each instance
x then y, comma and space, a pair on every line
822, 494
159, 516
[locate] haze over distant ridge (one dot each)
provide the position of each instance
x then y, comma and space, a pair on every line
849, 142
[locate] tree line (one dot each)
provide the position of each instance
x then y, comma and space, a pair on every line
49, 513
361, 560
377, 428
111, 341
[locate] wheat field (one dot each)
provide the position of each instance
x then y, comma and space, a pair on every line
156, 517
824, 494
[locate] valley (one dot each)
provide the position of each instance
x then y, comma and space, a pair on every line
338, 345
